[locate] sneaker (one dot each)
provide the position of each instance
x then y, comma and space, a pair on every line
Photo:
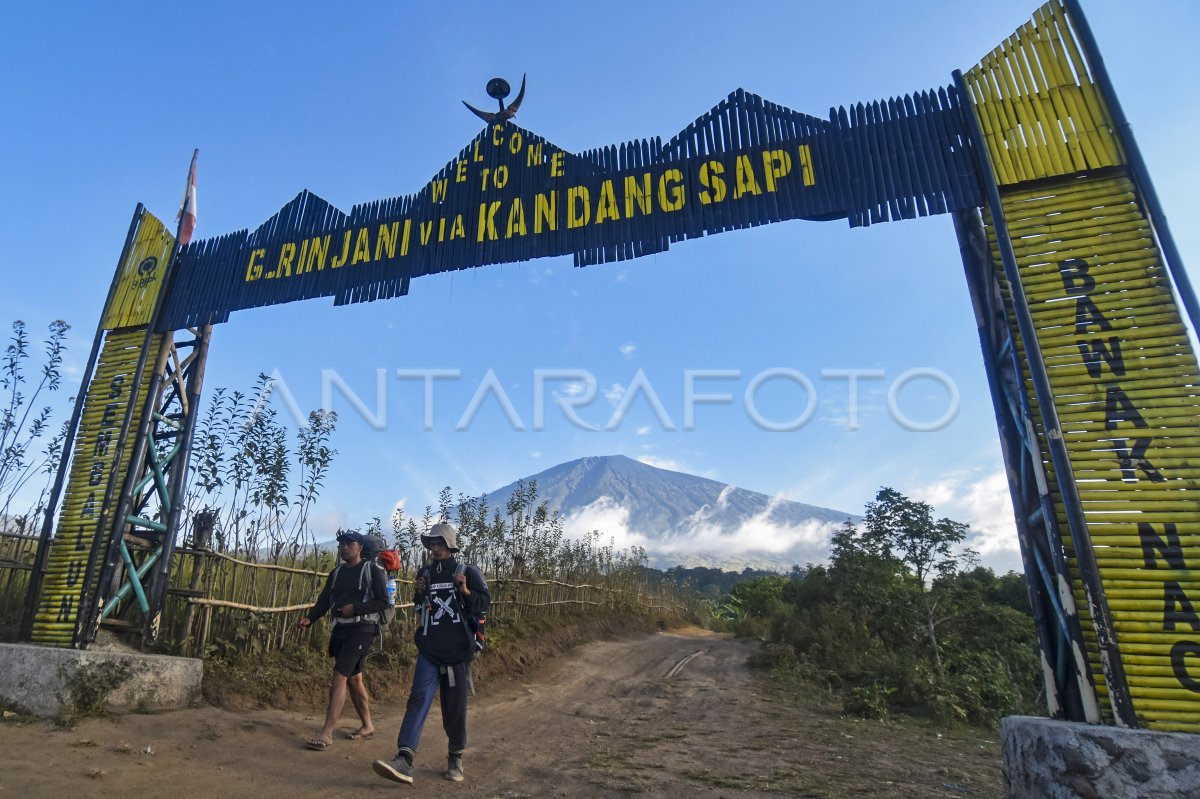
454, 769
398, 769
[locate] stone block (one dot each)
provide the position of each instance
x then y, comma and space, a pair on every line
47, 681
1047, 759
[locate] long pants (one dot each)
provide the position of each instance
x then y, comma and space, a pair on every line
426, 678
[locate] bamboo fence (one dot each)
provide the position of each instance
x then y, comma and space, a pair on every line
221, 604
17, 551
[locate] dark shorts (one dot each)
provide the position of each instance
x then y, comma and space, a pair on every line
348, 646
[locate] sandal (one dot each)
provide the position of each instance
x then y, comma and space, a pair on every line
359, 735
318, 744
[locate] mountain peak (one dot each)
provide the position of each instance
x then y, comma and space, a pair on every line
680, 518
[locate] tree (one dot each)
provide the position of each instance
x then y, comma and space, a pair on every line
242, 472
900, 528
760, 596
903, 528
22, 424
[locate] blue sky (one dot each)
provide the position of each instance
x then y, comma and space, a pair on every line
105, 104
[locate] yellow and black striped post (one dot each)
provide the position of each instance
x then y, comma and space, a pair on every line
64, 579
1107, 363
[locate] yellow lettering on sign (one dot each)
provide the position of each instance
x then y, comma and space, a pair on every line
438, 190
516, 219
254, 268
457, 231
606, 208
362, 247
404, 242
533, 154
545, 209
514, 142
710, 176
387, 240
806, 165
1178, 608
579, 209
670, 193
497, 134
426, 231
639, 193
460, 172
318, 250
745, 180
487, 220
478, 155
776, 164
442, 229
340, 260
286, 253
300, 259
556, 165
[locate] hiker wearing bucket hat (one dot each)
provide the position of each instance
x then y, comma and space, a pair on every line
448, 594
445, 532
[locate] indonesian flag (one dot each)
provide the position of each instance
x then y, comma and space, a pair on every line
187, 208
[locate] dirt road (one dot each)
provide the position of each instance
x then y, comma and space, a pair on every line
674, 714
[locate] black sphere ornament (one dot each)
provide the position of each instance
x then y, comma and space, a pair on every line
498, 88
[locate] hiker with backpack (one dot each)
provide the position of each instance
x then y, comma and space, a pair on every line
356, 596
452, 597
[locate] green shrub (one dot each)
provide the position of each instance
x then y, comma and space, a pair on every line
867, 701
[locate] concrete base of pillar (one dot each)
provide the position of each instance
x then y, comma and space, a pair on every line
47, 682
1046, 759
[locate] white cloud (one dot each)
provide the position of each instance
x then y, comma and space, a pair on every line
614, 393
759, 533
400, 505
806, 542
535, 454
644, 430
571, 390
663, 463
982, 502
607, 516
989, 506
941, 493
628, 349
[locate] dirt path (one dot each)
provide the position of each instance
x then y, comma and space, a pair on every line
675, 714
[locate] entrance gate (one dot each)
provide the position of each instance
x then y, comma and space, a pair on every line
1072, 271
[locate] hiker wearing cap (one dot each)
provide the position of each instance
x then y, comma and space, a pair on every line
448, 594
355, 596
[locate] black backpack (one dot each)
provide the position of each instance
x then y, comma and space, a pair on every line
383, 617
476, 622
372, 545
